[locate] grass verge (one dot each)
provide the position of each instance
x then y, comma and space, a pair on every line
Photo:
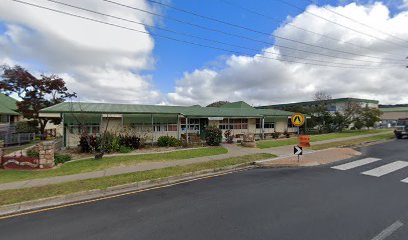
27, 194
353, 142
322, 137
90, 165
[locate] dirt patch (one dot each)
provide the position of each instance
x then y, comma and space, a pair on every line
312, 159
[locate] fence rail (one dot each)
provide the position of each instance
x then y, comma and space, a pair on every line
17, 138
7, 128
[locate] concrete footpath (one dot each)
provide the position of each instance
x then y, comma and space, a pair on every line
284, 153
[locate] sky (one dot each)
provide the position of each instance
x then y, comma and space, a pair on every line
262, 52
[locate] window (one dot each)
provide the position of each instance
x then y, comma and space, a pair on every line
266, 124
4, 118
193, 124
172, 127
234, 123
290, 125
224, 124
78, 129
160, 127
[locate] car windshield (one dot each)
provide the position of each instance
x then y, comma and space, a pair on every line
402, 123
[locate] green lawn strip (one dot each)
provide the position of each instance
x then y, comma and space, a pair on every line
90, 165
322, 137
275, 143
357, 141
26, 194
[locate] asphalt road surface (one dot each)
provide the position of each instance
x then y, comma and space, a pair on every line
361, 200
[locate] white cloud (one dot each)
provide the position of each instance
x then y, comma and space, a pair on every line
404, 4
99, 62
264, 81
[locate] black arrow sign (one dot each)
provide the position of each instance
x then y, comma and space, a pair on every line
298, 150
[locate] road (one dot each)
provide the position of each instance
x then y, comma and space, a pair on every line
308, 204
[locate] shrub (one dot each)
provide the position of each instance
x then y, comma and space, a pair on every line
275, 135
27, 127
88, 143
228, 136
124, 149
287, 135
61, 158
33, 153
168, 141
132, 142
213, 136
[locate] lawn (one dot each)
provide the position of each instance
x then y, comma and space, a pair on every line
90, 165
357, 141
316, 138
26, 194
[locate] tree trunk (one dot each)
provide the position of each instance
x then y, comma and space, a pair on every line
43, 123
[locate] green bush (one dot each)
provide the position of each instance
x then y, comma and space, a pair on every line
168, 141
133, 142
88, 143
61, 158
27, 127
33, 153
213, 136
124, 149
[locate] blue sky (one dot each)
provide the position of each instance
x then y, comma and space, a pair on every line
102, 63
173, 59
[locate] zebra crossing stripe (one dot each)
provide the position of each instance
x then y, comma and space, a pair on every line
405, 180
385, 169
356, 163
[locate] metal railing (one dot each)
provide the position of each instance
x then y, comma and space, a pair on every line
16, 138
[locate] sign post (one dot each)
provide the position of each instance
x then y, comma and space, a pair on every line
298, 120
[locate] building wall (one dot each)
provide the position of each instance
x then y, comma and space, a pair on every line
115, 125
394, 115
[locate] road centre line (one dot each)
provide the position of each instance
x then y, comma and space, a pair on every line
388, 231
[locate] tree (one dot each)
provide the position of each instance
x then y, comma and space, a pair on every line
36, 93
319, 112
369, 116
217, 104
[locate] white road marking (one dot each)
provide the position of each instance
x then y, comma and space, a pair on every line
405, 180
388, 231
355, 164
385, 169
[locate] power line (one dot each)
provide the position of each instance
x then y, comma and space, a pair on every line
178, 40
361, 23
291, 24
341, 25
240, 36
202, 38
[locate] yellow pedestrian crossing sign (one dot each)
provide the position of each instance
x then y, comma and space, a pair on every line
298, 119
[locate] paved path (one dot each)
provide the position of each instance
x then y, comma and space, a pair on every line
233, 151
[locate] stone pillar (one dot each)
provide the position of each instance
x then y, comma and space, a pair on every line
46, 151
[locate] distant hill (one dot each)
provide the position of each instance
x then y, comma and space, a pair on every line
392, 105
217, 104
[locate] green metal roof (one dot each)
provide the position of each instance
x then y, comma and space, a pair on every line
195, 111
394, 109
8, 105
78, 118
7, 111
336, 100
